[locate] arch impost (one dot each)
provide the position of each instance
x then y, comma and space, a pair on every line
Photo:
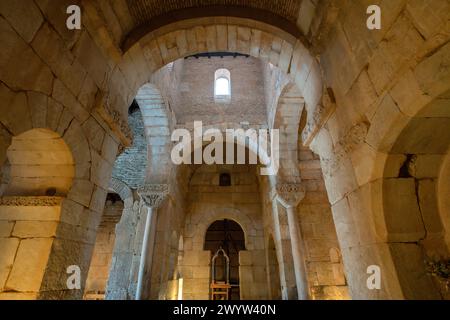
289, 194
113, 122
153, 195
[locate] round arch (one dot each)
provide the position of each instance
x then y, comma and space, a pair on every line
157, 124
207, 218
260, 40
289, 107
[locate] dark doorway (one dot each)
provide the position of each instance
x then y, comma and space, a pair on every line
230, 236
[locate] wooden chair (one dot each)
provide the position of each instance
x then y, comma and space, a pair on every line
220, 289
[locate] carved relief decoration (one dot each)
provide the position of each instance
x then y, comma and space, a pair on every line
117, 126
290, 194
17, 201
154, 194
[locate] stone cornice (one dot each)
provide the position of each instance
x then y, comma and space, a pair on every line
153, 195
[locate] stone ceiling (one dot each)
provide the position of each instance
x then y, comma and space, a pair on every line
144, 11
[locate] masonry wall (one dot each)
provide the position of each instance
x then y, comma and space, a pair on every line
27, 229
325, 270
196, 92
103, 251
209, 202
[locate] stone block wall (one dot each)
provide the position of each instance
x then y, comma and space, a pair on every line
27, 230
325, 269
210, 202
103, 251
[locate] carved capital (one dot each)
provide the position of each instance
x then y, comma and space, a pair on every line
289, 194
153, 194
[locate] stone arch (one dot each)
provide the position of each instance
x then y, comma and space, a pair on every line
363, 165
251, 145
86, 140
131, 165
123, 190
289, 110
208, 218
157, 125
411, 223
260, 40
39, 161
40, 164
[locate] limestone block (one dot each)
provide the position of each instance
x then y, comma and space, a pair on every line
7, 256
56, 15
91, 58
81, 191
402, 214
109, 149
432, 73
50, 47
344, 224
402, 42
35, 229
245, 258
36, 76
306, 15
94, 133
18, 296
54, 112
339, 62
426, 166
30, 213
25, 17
408, 94
429, 206
428, 17
88, 93
356, 261
386, 124
14, 104
415, 282
6, 228
67, 99
201, 272
29, 265
98, 199
246, 275
37, 102
338, 274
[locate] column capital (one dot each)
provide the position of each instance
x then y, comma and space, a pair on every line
153, 195
289, 194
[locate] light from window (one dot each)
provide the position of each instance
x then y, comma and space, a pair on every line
222, 84
222, 87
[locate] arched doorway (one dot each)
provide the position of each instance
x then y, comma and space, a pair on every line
273, 274
37, 178
229, 236
415, 224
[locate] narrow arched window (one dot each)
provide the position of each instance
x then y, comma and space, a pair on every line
222, 84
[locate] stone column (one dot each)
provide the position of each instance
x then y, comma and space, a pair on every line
282, 263
290, 195
153, 196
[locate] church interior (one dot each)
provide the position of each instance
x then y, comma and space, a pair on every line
93, 206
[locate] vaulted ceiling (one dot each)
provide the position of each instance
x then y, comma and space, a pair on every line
149, 15
144, 11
